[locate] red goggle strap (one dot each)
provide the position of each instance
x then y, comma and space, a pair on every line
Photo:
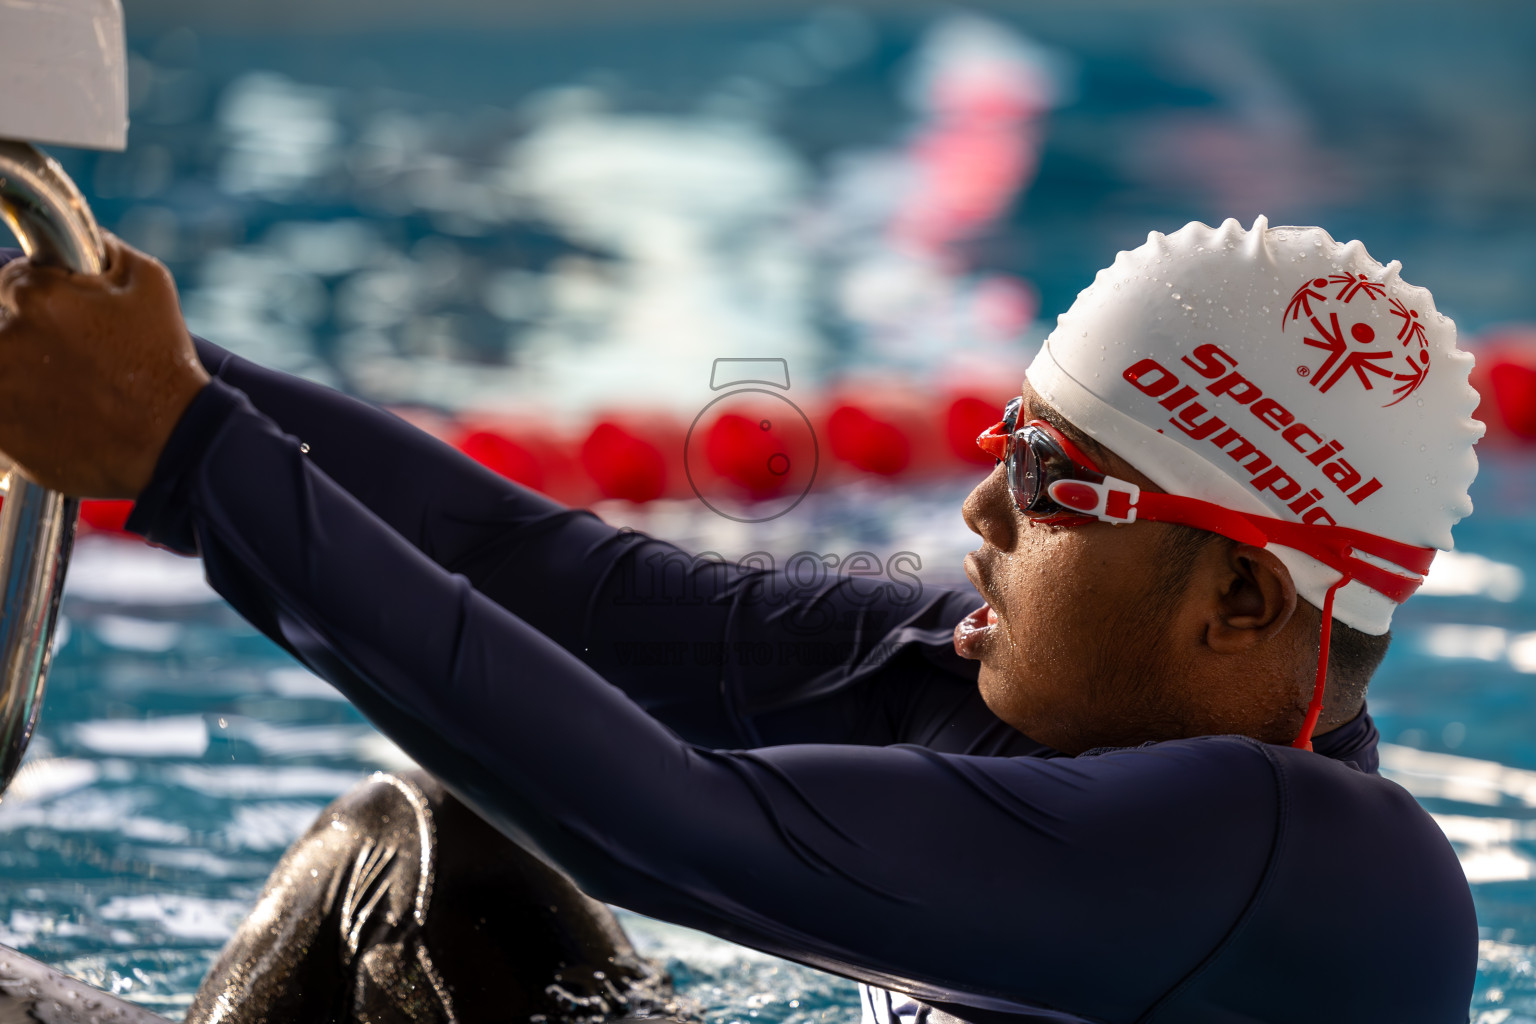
1303, 740
1334, 546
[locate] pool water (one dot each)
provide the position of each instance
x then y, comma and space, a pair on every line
495, 219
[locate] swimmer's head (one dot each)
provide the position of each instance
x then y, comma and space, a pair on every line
1272, 371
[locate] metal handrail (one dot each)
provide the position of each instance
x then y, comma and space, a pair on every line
50, 218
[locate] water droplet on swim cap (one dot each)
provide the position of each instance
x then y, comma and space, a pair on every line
1297, 409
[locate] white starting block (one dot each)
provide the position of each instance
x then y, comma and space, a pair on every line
63, 73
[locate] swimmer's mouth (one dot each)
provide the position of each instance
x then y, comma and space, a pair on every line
973, 631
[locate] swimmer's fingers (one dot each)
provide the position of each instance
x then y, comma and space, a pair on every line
95, 370
24, 286
22, 280
33, 289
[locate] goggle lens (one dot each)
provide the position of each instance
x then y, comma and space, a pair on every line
1034, 459
1023, 472
1035, 462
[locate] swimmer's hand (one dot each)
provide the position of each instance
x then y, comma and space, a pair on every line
95, 371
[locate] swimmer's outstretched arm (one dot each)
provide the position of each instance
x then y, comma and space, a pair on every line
723, 654
724, 657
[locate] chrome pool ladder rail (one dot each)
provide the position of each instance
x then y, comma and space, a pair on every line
50, 218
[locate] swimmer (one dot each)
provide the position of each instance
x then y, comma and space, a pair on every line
1138, 783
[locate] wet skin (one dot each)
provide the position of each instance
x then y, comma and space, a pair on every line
1079, 649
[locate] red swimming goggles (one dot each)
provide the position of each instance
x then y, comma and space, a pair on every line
1053, 482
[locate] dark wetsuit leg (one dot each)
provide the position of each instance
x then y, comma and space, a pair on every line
401, 905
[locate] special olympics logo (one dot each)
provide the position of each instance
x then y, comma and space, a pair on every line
1352, 344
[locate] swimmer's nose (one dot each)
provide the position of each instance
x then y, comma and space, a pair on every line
988, 511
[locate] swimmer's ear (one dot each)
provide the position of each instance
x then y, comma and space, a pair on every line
1254, 599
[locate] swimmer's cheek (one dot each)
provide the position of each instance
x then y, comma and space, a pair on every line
95, 372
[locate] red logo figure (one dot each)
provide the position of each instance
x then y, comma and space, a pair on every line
1418, 368
1301, 302
1352, 345
1351, 285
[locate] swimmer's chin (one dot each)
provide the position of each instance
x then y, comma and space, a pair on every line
1000, 693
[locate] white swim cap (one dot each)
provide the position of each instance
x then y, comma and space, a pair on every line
1276, 372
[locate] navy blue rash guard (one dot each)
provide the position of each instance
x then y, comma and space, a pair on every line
653, 725
810, 772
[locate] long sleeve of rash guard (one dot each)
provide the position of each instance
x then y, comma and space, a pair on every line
984, 884
726, 655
